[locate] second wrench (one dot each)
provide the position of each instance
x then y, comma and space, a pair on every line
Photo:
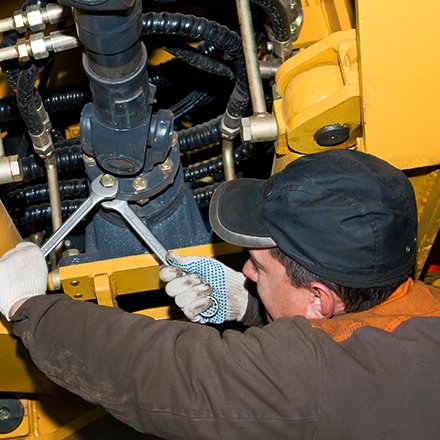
98, 193
144, 233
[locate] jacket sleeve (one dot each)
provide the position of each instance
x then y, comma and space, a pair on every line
178, 380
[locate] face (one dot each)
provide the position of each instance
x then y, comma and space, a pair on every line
279, 297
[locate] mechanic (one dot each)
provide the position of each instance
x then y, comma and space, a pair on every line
348, 346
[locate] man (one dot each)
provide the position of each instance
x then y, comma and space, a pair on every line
351, 349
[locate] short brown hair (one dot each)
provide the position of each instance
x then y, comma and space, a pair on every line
355, 299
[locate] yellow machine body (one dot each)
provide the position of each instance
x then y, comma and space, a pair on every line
370, 67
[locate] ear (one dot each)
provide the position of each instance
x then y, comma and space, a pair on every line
326, 303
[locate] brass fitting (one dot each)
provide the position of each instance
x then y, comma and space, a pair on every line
259, 128
10, 169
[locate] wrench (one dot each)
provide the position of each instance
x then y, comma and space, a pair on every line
98, 193
122, 207
144, 233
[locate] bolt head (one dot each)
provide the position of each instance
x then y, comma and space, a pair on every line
107, 180
167, 166
89, 161
139, 184
246, 130
16, 168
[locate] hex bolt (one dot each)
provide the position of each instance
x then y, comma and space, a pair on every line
89, 161
167, 166
107, 180
139, 184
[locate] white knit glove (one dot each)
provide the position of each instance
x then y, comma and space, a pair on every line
23, 273
206, 290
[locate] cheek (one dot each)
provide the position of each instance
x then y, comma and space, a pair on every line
249, 271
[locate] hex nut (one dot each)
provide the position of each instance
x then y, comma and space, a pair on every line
139, 184
16, 169
246, 130
22, 50
18, 19
38, 46
34, 18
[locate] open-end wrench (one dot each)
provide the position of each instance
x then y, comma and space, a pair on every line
98, 193
144, 233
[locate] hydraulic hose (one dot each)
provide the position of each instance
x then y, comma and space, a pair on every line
31, 195
203, 195
200, 28
214, 166
28, 99
42, 213
55, 101
67, 158
278, 16
200, 61
201, 135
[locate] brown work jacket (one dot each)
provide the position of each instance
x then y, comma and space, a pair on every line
368, 375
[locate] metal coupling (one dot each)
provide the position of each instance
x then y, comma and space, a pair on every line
44, 117
268, 69
230, 126
10, 169
43, 144
259, 128
34, 18
39, 46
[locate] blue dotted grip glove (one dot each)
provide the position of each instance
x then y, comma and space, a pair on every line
206, 290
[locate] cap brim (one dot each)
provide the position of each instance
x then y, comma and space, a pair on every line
234, 213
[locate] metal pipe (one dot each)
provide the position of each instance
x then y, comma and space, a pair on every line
250, 56
228, 159
39, 46
54, 193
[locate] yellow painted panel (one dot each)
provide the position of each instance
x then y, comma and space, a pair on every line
400, 90
322, 18
132, 274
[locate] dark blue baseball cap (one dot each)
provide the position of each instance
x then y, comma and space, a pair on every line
344, 215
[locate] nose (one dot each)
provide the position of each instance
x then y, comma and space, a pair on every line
249, 270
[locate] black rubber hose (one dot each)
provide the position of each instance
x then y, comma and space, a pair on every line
67, 158
200, 136
40, 213
28, 99
55, 101
194, 99
201, 61
214, 166
200, 28
68, 99
32, 195
203, 195
278, 16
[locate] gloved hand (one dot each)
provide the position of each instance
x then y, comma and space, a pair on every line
23, 273
206, 290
